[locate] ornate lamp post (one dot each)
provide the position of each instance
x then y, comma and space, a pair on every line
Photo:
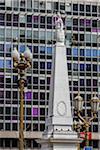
86, 122
21, 62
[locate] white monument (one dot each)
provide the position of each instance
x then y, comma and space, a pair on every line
59, 134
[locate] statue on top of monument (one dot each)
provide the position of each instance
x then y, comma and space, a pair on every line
60, 37
59, 22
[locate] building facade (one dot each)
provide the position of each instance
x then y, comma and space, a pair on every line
32, 23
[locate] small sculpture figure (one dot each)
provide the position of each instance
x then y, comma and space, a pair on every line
59, 22
60, 37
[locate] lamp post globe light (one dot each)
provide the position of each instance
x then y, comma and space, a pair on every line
84, 121
21, 62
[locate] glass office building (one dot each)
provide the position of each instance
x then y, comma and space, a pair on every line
32, 23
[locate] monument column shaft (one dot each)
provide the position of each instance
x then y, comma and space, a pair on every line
59, 105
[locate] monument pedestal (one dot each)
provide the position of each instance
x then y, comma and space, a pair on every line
60, 141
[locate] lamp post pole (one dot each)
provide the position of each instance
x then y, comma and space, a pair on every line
21, 114
21, 128
21, 62
86, 135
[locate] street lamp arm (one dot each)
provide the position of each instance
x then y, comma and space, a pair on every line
82, 119
91, 119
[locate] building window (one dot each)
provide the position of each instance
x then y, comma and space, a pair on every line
1, 127
49, 20
75, 67
81, 7
14, 143
28, 111
49, 7
81, 37
81, 52
75, 52
94, 23
9, 17
88, 22
29, 19
94, 67
81, 22
82, 67
94, 82
1, 110
22, 19
8, 94
35, 49
88, 67
14, 127
35, 112
95, 143
69, 51
8, 64
75, 7
49, 36
1, 79
75, 22
35, 19
29, 79
35, 127
49, 50
42, 81
95, 53
15, 79
42, 96
56, 6
1, 94
49, 65
1, 47
8, 48
88, 8
7, 126
75, 83
42, 127
35, 80
22, 3
81, 82
15, 4
42, 19
88, 82
8, 110
94, 9
48, 80
35, 65
69, 66
62, 6
28, 95
29, 4
95, 128
35, 96
42, 65
2, 17
15, 18
14, 110
7, 143
88, 52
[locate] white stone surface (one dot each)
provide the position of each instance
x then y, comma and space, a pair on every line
59, 104
59, 134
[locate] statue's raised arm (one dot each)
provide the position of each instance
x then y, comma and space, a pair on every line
59, 22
